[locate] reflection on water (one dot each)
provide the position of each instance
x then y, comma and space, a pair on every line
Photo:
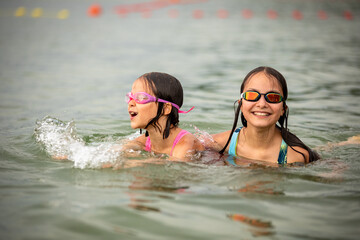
258, 227
78, 69
259, 187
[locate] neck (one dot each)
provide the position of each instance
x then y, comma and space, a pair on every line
260, 137
158, 143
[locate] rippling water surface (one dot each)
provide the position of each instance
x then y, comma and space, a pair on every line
62, 85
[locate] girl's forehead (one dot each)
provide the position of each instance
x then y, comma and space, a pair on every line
263, 82
140, 85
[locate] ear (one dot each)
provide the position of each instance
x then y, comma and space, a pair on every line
167, 108
284, 110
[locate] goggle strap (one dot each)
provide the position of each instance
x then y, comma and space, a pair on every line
180, 111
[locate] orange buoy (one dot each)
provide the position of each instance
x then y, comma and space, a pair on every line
122, 11
94, 10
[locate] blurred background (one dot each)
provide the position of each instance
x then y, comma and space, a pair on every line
74, 60
77, 59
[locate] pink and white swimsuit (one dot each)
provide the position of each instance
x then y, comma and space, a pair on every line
177, 139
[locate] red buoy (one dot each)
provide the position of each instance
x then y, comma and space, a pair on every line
197, 14
173, 13
222, 13
297, 15
348, 15
322, 15
247, 13
271, 14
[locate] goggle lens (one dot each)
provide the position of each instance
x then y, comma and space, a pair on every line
251, 96
140, 98
273, 97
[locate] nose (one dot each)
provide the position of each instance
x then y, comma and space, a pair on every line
131, 102
262, 102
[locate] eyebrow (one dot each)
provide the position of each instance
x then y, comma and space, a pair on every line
253, 89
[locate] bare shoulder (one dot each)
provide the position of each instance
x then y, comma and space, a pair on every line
187, 146
218, 141
189, 141
141, 139
294, 156
136, 144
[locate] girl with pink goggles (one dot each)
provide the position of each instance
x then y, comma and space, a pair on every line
143, 98
163, 134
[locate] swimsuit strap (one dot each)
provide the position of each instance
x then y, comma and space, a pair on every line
282, 159
148, 144
177, 139
234, 141
230, 160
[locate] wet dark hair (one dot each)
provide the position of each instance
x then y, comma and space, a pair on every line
166, 87
291, 139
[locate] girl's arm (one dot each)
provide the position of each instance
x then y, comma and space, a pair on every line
350, 140
129, 147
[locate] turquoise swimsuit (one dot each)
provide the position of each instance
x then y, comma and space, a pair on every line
282, 159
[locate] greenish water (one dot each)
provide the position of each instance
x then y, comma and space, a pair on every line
78, 70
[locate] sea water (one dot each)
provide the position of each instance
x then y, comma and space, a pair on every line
63, 83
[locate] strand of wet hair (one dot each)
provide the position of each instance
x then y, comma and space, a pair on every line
234, 125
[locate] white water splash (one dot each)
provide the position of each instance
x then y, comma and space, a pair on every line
61, 141
203, 136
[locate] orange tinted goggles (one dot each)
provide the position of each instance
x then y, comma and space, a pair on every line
254, 96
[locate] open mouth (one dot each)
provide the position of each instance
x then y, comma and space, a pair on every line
132, 114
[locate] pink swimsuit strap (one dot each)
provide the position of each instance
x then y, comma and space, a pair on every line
177, 139
148, 144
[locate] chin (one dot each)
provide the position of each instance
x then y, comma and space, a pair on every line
137, 126
262, 124
134, 126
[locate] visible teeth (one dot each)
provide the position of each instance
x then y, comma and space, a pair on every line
261, 114
133, 114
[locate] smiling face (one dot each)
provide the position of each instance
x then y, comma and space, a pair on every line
141, 114
262, 114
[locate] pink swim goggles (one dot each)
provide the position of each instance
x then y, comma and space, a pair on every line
143, 97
